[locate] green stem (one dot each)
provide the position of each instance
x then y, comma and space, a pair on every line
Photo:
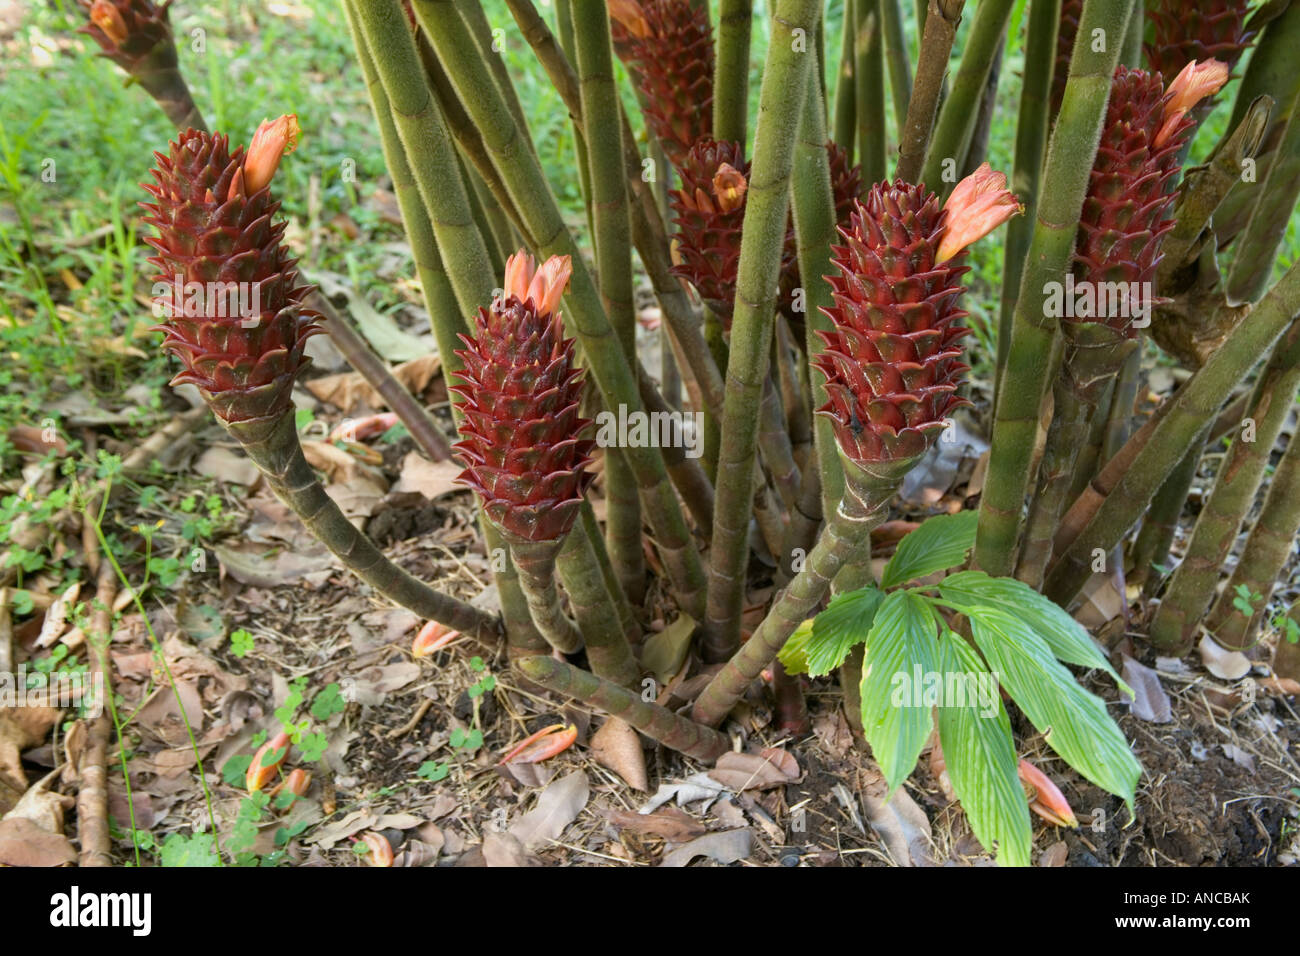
931, 67
1267, 550
900, 70
1160, 522
1027, 168
1094, 354
956, 123
536, 563
814, 222
767, 207
846, 110
845, 540
608, 650
1191, 588
448, 302
658, 723
274, 448
687, 474
610, 225
774, 444
731, 70
869, 89
1035, 350
1261, 241
584, 316
612, 586
1115, 501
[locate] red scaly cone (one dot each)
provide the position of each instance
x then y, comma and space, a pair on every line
667, 46
710, 212
1125, 211
892, 361
1188, 32
227, 288
521, 428
137, 36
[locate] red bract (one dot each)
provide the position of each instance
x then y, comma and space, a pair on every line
1184, 32
227, 288
667, 46
1125, 212
129, 31
892, 361
521, 429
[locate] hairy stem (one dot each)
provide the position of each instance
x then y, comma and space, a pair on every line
1035, 351
766, 208
536, 563
937, 36
731, 70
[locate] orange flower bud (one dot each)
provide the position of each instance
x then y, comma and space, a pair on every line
547, 742
381, 851
730, 186
273, 140
1045, 799
432, 637
631, 16
979, 204
108, 18
1192, 84
261, 771
296, 782
544, 287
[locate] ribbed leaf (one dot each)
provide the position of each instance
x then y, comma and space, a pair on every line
939, 544
845, 623
1062, 633
794, 654
1073, 721
982, 765
900, 652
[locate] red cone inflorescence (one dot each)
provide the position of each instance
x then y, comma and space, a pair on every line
131, 31
1126, 209
667, 45
1205, 30
710, 211
521, 430
227, 288
892, 361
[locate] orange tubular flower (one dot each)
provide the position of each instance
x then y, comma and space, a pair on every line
1045, 799
546, 743
261, 771
432, 637
979, 204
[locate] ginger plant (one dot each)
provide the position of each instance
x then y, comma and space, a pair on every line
819, 333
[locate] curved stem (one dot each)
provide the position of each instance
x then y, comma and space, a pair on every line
659, 723
536, 563
608, 650
845, 540
274, 448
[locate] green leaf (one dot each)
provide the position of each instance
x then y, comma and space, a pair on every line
845, 623
196, 850
1074, 722
328, 702
939, 544
981, 757
900, 652
1066, 637
234, 770
794, 654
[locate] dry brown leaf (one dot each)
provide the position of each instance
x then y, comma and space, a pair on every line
1150, 702
432, 479
348, 391
770, 768
225, 464
504, 849
617, 747
23, 843
674, 825
725, 847
557, 806
1223, 663
901, 825
1055, 854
